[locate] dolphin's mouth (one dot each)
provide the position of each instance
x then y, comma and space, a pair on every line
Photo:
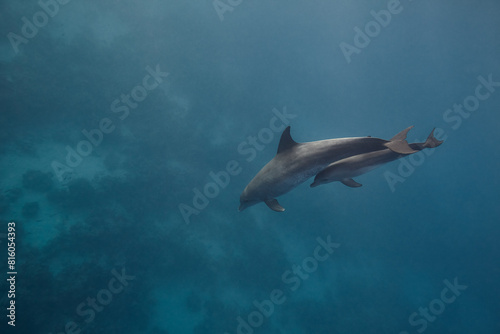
243, 206
246, 204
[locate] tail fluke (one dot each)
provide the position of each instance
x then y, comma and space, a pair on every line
431, 141
398, 143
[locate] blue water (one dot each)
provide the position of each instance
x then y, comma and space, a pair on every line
128, 130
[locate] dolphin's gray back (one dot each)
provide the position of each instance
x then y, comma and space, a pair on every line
359, 164
301, 161
295, 162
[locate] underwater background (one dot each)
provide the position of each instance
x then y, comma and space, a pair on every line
128, 130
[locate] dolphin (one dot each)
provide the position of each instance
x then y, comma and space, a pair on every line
294, 163
344, 170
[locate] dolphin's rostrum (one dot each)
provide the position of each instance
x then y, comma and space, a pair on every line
295, 162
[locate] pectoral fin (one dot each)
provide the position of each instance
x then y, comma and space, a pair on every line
351, 183
274, 205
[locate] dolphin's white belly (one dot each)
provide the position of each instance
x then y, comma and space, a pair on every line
285, 178
347, 173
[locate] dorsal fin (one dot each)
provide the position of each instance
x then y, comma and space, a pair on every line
286, 141
402, 135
